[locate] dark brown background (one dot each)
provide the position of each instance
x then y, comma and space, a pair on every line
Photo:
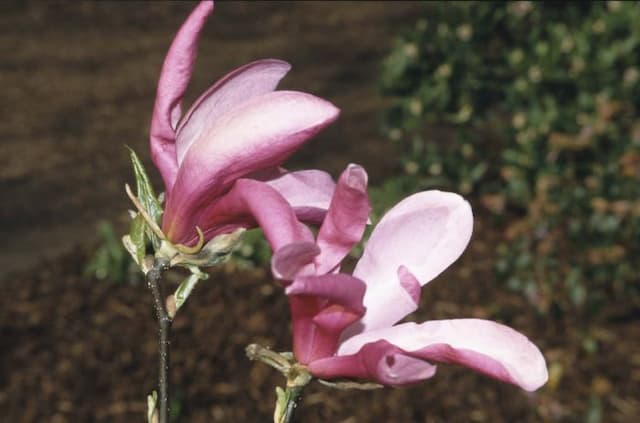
78, 82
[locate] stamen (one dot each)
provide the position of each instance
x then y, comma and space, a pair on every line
196, 248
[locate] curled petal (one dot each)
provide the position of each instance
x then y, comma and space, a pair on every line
249, 203
259, 134
174, 78
377, 361
288, 261
346, 219
484, 346
238, 86
424, 233
321, 307
308, 191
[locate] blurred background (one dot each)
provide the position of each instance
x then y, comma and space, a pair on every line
529, 110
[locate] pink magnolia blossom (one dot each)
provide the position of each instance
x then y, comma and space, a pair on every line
239, 128
347, 325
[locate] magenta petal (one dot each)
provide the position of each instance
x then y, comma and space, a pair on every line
484, 346
238, 86
321, 307
346, 219
259, 134
425, 233
379, 362
174, 78
308, 191
288, 261
410, 284
249, 203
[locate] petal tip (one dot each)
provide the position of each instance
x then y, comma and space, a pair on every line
356, 177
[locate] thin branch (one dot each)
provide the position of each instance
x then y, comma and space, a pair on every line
164, 322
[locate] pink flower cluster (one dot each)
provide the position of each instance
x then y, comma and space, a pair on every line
220, 164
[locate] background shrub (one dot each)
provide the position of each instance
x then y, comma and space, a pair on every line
533, 109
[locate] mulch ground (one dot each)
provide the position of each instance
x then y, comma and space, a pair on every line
76, 349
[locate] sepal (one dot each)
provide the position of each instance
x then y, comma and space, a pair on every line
146, 196
214, 252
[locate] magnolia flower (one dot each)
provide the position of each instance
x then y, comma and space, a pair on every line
239, 128
347, 325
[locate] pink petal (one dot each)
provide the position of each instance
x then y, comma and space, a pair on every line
174, 78
346, 219
425, 233
260, 134
321, 307
238, 86
410, 284
249, 203
308, 191
484, 346
378, 361
290, 260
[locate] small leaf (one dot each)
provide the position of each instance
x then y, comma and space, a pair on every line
152, 412
137, 237
146, 195
199, 273
281, 403
478, 171
185, 288
130, 247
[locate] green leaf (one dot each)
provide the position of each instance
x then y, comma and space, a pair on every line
128, 245
152, 401
138, 238
146, 195
185, 288
109, 260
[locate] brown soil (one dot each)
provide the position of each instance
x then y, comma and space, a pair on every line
78, 82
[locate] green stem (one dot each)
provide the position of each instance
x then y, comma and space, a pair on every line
297, 378
287, 403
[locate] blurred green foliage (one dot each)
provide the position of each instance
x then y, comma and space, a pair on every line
253, 251
111, 260
537, 105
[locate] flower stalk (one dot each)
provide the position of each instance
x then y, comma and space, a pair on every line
286, 403
297, 378
164, 323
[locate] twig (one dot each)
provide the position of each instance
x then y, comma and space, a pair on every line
164, 322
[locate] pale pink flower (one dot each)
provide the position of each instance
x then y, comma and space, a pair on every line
347, 325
